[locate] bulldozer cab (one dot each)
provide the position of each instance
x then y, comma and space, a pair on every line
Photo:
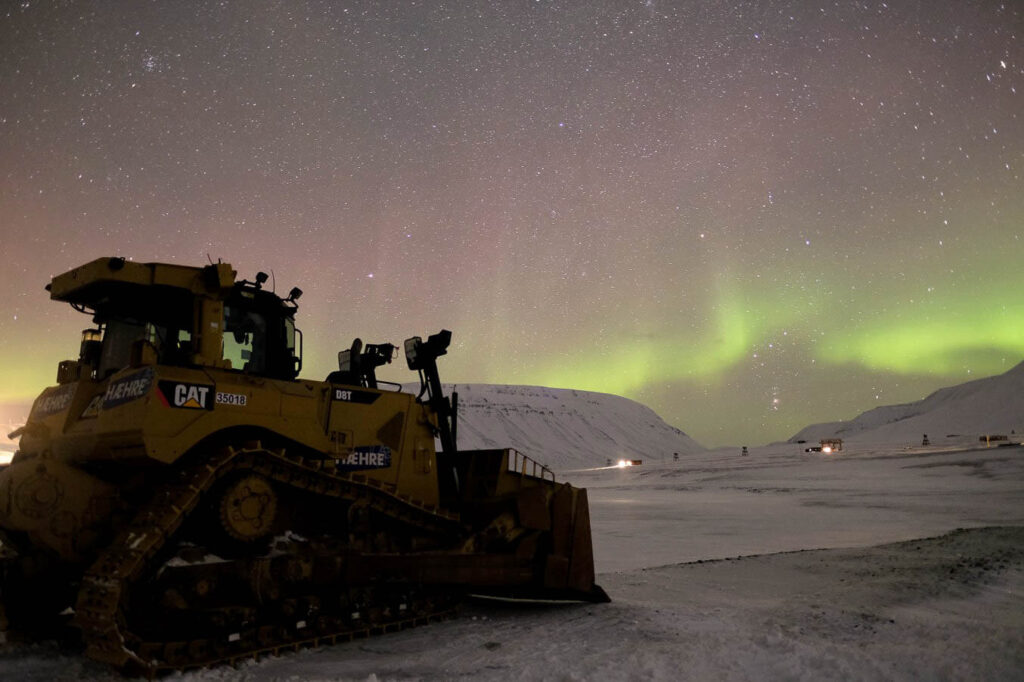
155, 314
260, 337
161, 332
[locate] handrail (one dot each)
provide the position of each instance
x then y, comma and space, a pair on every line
527, 466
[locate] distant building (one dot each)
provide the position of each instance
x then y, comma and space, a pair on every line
989, 438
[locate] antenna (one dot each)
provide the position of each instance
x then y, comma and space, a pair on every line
273, 281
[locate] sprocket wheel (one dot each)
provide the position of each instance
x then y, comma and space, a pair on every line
248, 507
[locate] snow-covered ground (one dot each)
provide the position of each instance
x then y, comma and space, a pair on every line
721, 504
770, 566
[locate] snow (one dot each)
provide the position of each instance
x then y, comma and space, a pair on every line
779, 565
737, 568
566, 429
782, 499
563, 428
956, 414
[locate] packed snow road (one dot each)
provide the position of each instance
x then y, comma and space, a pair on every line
721, 504
899, 593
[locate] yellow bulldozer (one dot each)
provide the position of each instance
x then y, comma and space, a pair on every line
182, 498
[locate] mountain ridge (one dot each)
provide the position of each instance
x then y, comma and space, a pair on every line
988, 405
564, 428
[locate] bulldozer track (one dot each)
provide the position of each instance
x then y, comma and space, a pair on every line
103, 611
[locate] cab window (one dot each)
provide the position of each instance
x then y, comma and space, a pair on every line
245, 339
118, 337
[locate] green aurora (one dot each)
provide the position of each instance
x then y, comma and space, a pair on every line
750, 217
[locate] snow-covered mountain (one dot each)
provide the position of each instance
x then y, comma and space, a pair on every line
563, 428
11, 418
993, 405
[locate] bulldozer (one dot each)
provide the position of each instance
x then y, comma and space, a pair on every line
181, 498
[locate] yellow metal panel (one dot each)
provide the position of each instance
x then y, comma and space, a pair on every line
213, 279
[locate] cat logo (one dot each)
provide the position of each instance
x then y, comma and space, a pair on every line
187, 396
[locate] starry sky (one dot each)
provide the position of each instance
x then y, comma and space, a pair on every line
749, 216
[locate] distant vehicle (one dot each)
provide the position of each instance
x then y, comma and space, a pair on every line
829, 445
622, 463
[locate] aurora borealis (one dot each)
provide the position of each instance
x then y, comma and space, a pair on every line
749, 216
